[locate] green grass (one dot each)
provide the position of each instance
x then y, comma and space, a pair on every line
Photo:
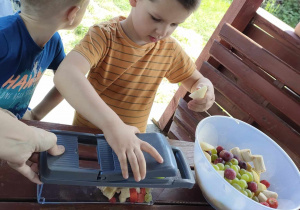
193, 34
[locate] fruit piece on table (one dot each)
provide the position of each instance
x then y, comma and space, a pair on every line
109, 192
262, 198
246, 155
258, 163
270, 194
124, 194
236, 151
200, 93
206, 146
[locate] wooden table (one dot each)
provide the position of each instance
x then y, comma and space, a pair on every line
16, 192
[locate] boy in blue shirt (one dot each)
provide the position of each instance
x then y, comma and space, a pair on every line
30, 44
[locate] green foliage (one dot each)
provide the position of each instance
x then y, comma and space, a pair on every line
288, 11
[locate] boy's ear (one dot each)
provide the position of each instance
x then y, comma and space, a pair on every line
133, 3
72, 14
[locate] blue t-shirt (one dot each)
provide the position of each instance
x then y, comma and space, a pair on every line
22, 63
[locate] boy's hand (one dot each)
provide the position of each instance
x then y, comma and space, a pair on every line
203, 104
127, 145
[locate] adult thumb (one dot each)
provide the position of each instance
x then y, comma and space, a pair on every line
45, 140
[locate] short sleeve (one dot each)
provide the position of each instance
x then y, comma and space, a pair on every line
59, 52
182, 66
93, 46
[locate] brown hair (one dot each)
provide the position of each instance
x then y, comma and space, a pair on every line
189, 5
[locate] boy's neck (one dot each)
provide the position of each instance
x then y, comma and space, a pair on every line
40, 31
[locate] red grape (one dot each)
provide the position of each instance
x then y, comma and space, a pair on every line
252, 186
229, 173
219, 149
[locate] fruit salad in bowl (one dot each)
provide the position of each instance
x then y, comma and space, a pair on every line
239, 167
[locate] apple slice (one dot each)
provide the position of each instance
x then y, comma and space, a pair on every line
200, 93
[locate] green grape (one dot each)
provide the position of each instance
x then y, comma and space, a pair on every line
234, 161
235, 168
214, 157
244, 192
221, 166
228, 180
238, 175
216, 167
235, 180
255, 198
245, 177
250, 175
148, 190
213, 151
249, 193
236, 186
148, 198
242, 183
226, 166
242, 171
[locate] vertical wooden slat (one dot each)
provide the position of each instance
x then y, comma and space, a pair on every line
239, 14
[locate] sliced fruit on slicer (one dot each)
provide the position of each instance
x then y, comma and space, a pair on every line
200, 93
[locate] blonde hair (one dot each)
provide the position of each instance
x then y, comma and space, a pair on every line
47, 7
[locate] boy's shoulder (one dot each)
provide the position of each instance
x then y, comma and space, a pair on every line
9, 21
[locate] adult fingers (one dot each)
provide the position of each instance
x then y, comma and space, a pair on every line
145, 146
34, 157
26, 171
134, 165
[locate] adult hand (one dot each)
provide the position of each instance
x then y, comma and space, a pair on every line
127, 145
19, 141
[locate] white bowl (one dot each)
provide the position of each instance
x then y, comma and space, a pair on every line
282, 173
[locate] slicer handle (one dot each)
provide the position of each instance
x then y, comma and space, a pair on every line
187, 180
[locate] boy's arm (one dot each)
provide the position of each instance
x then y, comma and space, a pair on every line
71, 82
19, 141
194, 82
51, 100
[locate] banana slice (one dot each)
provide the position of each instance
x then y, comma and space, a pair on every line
125, 193
262, 198
246, 155
236, 151
206, 146
256, 176
109, 192
260, 187
258, 163
200, 93
270, 194
207, 156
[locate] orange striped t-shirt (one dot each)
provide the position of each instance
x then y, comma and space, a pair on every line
126, 75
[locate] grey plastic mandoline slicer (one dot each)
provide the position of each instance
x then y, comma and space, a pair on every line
65, 169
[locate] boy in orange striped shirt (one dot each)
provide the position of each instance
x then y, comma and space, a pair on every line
127, 59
